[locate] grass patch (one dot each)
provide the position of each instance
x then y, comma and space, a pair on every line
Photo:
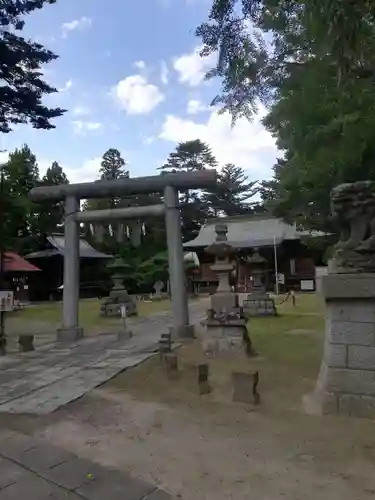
289, 347
89, 309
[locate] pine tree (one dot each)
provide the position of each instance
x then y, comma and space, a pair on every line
113, 165
49, 214
231, 194
22, 86
21, 175
191, 156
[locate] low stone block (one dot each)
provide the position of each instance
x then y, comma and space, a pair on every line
361, 357
359, 406
26, 343
341, 380
203, 383
336, 355
245, 387
171, 364
347, 332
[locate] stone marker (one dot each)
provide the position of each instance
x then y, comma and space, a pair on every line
203, 372
171, 364
26, 343
245, 387
165, 343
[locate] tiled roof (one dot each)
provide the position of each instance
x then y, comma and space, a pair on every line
14, 262
57, 243
249, 232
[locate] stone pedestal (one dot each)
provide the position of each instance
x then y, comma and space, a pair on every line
69, 334
224, 336
346, 382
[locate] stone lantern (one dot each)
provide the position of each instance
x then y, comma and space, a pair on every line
118, 296
225, 326
258, 302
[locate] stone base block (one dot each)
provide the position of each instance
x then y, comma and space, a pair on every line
245, 387
69, 334
223, 339
346, 381
186, 332
124, 335
325, 403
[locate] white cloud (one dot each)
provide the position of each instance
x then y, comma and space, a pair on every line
192, 68
67, 86
76, 24
140, 64
136, 96
195, 106
80, 111
81, 127
247, 144
164, 73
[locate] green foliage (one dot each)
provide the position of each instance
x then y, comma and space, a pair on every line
231, 195
49, 214
112, 165
190, 156
22, 86
313, 64
20, 175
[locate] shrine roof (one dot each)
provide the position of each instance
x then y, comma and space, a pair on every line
56, 244
250, 232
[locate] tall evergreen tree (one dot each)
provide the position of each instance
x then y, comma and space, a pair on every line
21, 174
113, 165
22, 86
191, 156
49, 214
232, 193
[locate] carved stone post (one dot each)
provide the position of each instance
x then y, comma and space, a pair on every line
346, 382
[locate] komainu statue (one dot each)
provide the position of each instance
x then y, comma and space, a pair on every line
353, 206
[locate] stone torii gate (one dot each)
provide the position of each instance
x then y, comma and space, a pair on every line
168, 185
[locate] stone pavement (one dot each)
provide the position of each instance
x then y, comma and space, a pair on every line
33, 470
41, 381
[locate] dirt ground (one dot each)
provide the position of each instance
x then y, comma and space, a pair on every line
207, 447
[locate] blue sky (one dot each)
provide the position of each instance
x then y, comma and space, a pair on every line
130, 76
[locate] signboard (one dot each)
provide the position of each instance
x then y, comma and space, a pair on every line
307, 285
123, 311
6, 300
281, 278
